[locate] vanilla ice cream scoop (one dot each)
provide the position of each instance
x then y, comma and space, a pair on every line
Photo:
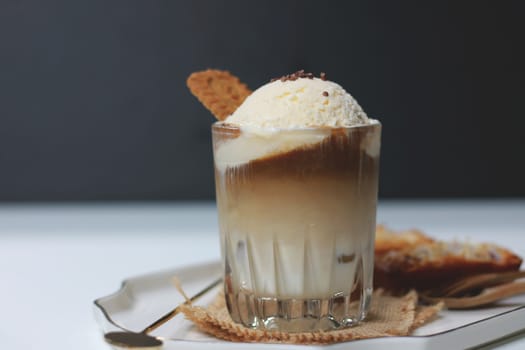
299, 103
296, 111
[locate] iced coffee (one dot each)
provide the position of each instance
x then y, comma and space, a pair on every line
296, 170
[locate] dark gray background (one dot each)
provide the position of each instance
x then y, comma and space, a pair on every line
93, 102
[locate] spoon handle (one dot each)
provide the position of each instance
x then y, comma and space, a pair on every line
168, 316
488, 296
479, 281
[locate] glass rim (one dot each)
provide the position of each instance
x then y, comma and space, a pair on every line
222, 125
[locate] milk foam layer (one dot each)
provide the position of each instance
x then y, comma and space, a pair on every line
252, 144
255, 145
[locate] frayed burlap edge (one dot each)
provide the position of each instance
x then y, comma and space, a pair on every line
425, 314
388, 316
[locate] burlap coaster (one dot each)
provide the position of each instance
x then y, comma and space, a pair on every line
388, 316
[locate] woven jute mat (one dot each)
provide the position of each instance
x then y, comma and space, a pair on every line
388, 316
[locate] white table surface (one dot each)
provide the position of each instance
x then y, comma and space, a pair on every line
55, 259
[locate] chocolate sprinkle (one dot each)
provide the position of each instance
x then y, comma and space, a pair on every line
297, 75
325, 93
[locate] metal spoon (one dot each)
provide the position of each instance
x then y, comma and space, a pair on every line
142, 339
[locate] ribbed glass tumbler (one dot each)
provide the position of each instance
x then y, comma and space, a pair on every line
297, 212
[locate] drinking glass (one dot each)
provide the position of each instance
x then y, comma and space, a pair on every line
297, 211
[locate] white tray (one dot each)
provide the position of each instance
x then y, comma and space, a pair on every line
141, 300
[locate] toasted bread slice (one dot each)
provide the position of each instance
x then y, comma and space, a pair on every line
410, 259
388, 240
